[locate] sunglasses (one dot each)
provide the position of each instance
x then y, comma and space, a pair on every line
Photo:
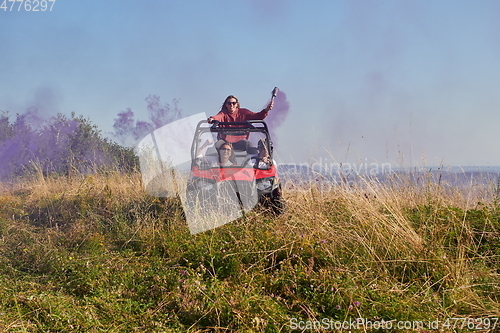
231, 103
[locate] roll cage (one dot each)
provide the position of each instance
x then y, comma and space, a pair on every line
244, 128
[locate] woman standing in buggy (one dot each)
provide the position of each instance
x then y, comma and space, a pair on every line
231, 112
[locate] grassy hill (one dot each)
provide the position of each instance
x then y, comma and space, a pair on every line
95, 253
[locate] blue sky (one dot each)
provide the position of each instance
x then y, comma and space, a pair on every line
411, 82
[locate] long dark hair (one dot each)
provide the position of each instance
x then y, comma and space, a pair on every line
223, 107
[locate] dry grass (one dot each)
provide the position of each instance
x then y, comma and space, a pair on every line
95, 252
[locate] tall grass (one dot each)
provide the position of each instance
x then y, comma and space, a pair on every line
91, 253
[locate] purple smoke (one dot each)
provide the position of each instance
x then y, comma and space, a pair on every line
278, 114
34, 142
270, 11
55, 145
162, 115
62, 145
129, 131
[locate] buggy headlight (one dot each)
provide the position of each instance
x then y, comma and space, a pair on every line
265, 184
204, 185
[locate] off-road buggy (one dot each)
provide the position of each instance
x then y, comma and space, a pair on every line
214, 189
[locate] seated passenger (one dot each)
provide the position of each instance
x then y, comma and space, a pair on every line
262, 160
225, 156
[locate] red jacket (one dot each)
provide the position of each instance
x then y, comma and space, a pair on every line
238, 116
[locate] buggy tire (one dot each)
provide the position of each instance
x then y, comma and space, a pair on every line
277, 202
278, 205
